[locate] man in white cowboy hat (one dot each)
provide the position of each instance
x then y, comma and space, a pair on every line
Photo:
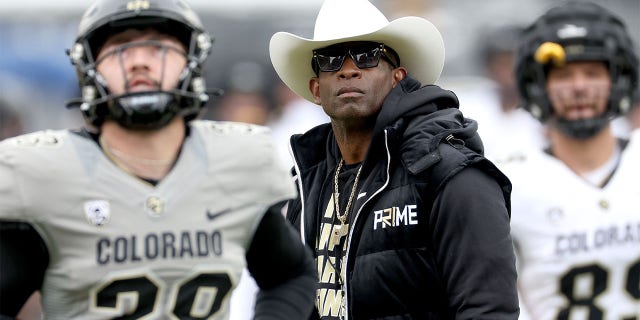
406, 217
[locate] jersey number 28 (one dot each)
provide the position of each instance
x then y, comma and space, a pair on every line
197, 298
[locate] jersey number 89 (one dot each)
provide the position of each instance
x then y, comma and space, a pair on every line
599, 280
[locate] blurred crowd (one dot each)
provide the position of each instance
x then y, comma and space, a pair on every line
36, 78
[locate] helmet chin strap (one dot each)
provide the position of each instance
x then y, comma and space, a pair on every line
146, 110
581, 129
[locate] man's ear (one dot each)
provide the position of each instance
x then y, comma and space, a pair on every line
399, 73
314, 87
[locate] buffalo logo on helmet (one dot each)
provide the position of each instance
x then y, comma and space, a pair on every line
138, 5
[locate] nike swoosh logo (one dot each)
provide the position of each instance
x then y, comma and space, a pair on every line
214, 215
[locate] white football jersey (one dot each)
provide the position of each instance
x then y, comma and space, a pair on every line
578, 245
120, 246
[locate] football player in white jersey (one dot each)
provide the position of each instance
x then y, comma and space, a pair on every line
147, 213
576, 205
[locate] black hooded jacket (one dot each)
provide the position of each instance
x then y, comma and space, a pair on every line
456, 261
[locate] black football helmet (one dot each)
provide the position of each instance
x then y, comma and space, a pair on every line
576, 31
140, 110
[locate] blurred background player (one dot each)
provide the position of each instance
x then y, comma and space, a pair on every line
493, 99
292, 115
10, 120
575, 219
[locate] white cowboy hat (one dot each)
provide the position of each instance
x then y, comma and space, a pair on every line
416, 40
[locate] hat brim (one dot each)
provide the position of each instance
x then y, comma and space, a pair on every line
416, 40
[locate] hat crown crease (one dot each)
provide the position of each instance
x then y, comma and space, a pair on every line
339, 19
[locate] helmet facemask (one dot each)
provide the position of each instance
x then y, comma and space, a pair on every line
149, 109
581, 111
142, 109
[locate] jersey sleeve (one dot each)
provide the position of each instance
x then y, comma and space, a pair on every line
29, 165
283, 269
473, 247
23, 253
10, 201
247, 164
270, 175
23, 261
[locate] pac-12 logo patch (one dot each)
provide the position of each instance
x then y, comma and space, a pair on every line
97, 212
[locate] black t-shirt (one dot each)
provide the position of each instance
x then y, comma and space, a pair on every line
330, 251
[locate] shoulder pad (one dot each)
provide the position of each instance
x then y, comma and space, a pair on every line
40, 139
229, 128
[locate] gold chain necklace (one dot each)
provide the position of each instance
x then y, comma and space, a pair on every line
341, 230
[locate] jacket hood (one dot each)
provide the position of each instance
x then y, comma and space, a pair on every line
410, 98
420, 119
422, 138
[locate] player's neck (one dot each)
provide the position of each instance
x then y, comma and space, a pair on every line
584, 155
146, 154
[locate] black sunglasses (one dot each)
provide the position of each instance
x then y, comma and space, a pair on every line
364, 55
